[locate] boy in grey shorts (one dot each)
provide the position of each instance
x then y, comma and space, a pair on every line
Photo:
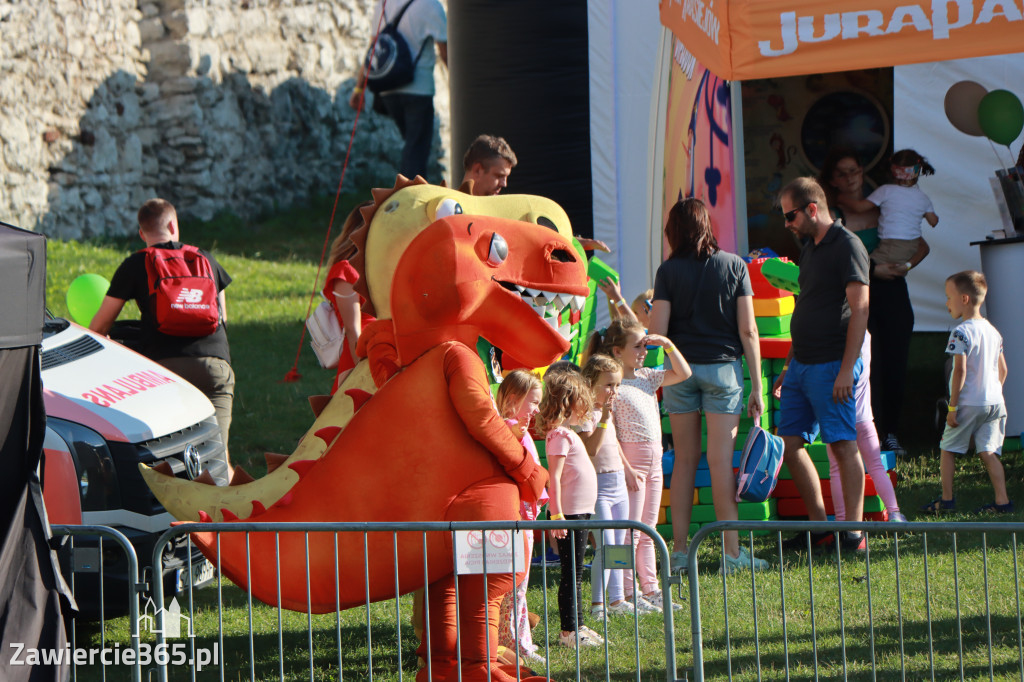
975, 392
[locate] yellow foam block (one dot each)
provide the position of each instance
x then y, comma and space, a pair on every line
666, 498
661, 516
774, 307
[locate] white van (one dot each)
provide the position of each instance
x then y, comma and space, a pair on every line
109, 408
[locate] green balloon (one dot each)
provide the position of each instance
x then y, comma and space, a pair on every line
1001, 116
85, 296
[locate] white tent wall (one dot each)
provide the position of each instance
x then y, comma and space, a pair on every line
960, 188
624, 37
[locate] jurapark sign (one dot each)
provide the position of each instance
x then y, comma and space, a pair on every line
743, 39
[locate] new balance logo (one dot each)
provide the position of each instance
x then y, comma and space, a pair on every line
190, 296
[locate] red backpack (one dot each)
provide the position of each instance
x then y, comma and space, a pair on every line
182, 290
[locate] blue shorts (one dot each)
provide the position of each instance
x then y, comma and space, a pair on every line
716, 388
807, 403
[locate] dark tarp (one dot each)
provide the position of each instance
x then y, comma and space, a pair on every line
521, 70
31, 586
22, 287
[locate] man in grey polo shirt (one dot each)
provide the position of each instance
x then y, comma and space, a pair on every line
816, 385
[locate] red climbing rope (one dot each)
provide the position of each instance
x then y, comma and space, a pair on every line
292, 374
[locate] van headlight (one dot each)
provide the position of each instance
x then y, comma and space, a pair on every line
94, 465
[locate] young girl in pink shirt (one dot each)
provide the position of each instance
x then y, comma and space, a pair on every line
518, 401
638, 424
572, 488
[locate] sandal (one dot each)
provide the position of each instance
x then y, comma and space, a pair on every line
939, 505
992, 507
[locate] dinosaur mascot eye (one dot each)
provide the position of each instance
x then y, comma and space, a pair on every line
447, 207
498, 252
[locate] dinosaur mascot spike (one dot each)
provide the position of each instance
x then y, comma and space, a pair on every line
439, 268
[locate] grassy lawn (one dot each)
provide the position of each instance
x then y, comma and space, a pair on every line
273, 263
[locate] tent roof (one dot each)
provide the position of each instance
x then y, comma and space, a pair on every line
744, 39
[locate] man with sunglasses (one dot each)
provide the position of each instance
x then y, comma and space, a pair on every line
817, 381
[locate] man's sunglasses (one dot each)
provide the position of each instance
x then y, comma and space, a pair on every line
790, 216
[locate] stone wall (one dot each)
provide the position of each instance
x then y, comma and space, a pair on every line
213, 104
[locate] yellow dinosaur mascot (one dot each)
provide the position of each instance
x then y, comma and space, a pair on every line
439, 268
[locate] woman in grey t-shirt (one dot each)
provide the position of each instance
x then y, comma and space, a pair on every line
704, 303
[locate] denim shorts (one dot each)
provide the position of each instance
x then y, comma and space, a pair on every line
807, 404
716, 388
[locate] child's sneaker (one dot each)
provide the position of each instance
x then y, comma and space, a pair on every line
623, 608
994, 508
658, 600
549, 558
742, 563
584, 630
897, 517
643, 605
597, 611
569, 639
892, 443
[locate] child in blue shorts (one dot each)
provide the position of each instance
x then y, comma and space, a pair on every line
976, 407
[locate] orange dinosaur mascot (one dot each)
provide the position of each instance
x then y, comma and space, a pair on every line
439, 269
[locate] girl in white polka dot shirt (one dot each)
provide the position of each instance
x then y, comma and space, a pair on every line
638, 426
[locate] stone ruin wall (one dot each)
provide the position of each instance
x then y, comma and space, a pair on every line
213, 104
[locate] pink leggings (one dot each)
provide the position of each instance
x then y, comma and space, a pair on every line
644, 504
867, 443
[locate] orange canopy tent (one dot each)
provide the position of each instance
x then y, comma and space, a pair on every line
744, 39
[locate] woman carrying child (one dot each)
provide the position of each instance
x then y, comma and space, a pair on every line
638, 423
573, 493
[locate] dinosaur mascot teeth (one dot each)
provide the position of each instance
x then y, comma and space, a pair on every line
422, 440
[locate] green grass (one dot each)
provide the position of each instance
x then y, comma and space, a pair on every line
273, 263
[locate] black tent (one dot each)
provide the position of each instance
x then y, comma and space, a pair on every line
31, 586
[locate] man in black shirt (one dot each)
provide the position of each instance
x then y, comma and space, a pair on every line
817, 383
203, 361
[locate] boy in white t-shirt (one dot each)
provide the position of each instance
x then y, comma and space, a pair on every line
976, 406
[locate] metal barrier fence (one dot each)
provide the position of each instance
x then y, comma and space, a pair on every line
373, 641
90, 557
924, 601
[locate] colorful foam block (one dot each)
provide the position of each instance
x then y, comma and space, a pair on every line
761, 286
773, 307
773, 326
782, 274
790, 507
774, 346
749, 511
598, 270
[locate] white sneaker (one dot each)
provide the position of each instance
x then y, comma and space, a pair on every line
623, 608
569, 639
584, 630
597, 611
658, 600
679, 562
643, 605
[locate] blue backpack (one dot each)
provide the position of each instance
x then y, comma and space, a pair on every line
759, 466
389, 61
